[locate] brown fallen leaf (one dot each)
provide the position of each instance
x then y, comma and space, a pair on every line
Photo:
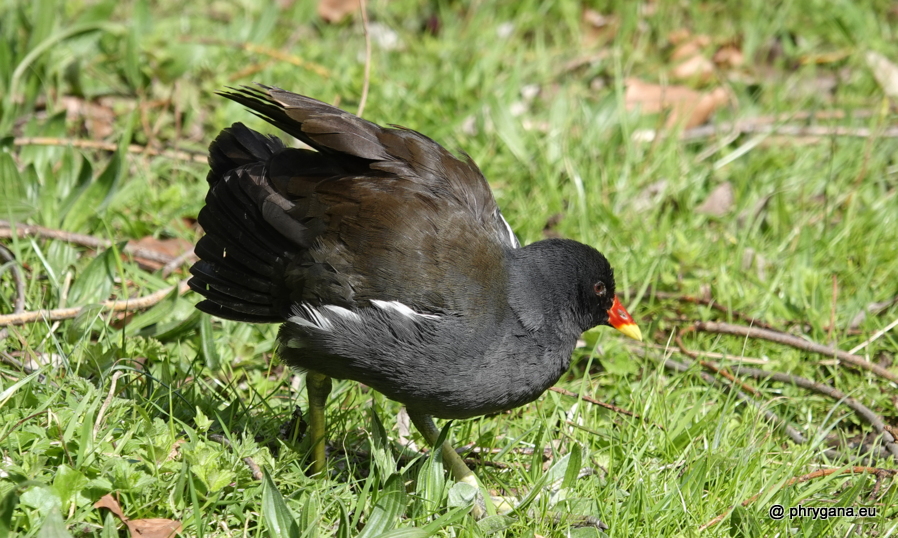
98, 119
653, 98
108, 502
690, 47
140, 528
687, 105
679, 36
719, 202
171, 247
701, 112
697, 67
598, 28
729, 56
334, 11
153, 528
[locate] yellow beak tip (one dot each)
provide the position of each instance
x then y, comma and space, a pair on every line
631, 330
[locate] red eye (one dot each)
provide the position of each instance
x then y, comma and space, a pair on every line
599, 288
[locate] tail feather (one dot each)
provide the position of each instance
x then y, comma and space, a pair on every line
241, 255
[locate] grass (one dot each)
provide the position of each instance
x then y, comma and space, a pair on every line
126, 405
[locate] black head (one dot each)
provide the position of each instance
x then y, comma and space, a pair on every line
568, 286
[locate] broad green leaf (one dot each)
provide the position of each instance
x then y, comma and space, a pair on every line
207, 343
93, 200
389, 506
53, 526
95, 282
7, 507
278, 519
573, 467
67, 483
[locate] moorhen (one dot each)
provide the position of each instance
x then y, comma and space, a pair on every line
387, 261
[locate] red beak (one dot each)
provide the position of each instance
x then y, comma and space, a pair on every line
621, 320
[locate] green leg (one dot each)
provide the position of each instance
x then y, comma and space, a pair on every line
318, 387
457, 465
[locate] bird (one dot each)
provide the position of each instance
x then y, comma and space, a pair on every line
386, 261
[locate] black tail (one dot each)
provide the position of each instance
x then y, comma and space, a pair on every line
241, 256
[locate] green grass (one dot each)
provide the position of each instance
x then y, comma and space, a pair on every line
811, 211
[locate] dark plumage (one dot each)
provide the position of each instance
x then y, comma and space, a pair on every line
388, 262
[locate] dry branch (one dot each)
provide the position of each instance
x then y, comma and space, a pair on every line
19, 280
711, 303
116, 305
593, 401
821, 388
796, 342
177, 155
270, 52
878, 472
9, 230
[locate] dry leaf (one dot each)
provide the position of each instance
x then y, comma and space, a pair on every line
885, 72
153, 528
690, 47
108, 501
98, 119
719, 202
334, 11
678, 36
729, 56
598, 28
701, 112
172, 247
685, 104
697, 67
140, 528
653, 98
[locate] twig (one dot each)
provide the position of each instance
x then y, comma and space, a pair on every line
173, 265
106, 403
794, 341
711, 303
614, 408
365, 82
804, 478
117, 305
267, 51
19, 280
708, 354
253, 466
875, 337
821, 388
767, 125
714, 368
793, 433
9, 230
177, 155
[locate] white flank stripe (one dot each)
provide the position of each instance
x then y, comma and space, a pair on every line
343, 312
511, 236
401, 309
308, 316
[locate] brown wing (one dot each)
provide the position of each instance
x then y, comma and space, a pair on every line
374, 213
